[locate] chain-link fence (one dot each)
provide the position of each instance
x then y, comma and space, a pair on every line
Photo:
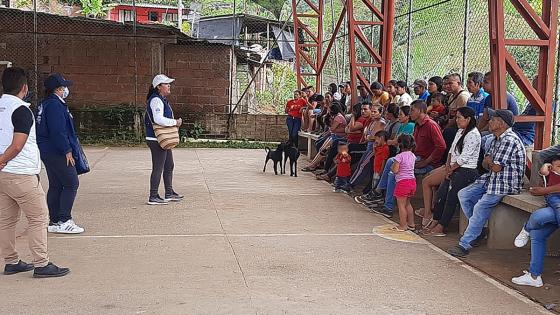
230, 57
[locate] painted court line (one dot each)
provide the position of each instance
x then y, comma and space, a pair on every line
512, 292
208, 235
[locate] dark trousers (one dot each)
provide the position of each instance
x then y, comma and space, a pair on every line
447, 199
294, 124
63, 187
162, 163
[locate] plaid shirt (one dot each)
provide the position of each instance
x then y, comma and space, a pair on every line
508, 152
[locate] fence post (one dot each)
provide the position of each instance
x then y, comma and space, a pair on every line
557, 102
35, 56
465, 40
409, 41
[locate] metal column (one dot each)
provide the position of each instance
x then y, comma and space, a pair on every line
303, 58
502, 61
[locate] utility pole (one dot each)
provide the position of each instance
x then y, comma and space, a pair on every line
180, 15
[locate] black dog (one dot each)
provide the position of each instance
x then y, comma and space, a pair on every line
291, 152
275, 156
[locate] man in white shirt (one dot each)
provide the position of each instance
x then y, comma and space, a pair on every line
20, 190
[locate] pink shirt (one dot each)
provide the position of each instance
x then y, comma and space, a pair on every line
406, 161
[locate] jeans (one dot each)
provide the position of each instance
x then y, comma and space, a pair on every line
162, 163
364, 170
387, 182
63, 187
341, 182
553, 201
294, 124
447, 199
541, 224
424, 170
477, 206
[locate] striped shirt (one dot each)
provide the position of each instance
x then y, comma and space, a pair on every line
507, 151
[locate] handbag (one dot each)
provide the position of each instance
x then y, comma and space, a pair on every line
167, 136
82, 164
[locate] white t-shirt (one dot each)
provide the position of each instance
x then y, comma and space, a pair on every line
405, 100
471, 149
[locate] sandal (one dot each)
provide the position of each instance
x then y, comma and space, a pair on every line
427, 225
417, 212
308, 169
435, 234
398, 229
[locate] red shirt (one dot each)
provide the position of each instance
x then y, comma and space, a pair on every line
440, 109
381, 154
552, 179
429, 141
343, 165
357, 137
293, 107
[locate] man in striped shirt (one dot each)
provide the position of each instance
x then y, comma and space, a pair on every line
505, 161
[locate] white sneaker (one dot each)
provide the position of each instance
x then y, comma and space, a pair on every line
527, 279
522, 239
69, 227
53, 228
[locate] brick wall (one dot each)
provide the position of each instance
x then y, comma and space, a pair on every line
202, 74
99, 56
248, 126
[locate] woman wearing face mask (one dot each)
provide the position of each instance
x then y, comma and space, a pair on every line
56, 138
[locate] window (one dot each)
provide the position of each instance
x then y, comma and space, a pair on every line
126, 15
170, 17
152, 16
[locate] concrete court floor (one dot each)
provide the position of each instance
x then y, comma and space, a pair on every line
242, 242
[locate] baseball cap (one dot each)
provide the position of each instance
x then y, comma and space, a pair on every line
504, 114
420, 82
56, 80
161, 79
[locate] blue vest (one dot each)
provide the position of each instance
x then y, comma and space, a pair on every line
149, 117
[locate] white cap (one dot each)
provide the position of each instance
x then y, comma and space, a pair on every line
161, 78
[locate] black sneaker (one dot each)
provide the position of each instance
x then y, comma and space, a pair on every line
376, 195
363, 199
388, 213
480, 238
21, 266
50, 271
156, 201
458, 251
174, 197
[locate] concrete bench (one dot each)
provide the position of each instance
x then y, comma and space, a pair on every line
307, 143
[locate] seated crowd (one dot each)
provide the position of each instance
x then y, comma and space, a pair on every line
466, 154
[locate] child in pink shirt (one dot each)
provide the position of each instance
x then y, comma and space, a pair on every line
403, 168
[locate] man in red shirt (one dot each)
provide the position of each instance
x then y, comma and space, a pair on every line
294, 111
430, 145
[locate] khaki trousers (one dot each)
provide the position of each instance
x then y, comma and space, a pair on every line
23, 193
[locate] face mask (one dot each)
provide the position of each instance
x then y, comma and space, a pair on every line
65, 92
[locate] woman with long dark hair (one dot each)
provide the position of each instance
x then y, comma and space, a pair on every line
158, 111
461, 168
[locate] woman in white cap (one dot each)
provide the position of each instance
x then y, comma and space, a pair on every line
159, 112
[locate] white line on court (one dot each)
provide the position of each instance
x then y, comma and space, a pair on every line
209, 235
512, 292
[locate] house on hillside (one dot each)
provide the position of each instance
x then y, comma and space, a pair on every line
259, 43
147, 13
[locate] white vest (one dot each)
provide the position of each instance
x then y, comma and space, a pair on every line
28, 161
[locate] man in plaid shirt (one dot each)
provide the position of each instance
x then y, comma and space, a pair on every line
505, 161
